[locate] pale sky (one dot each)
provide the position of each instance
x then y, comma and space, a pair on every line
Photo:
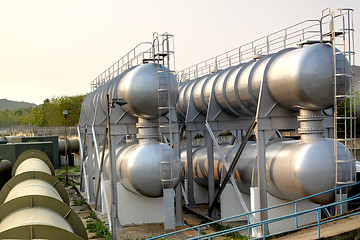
57, 47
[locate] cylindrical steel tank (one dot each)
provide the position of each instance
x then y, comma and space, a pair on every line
139, 86
306, 74
295, 168
35, 205
138, 167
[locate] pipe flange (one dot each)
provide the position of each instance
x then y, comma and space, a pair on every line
147, 124
310, 131
147, 135
306, 118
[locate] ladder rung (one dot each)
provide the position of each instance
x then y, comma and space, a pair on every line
346, 118
346, 139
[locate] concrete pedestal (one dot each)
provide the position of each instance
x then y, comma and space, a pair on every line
230, 206
134, 208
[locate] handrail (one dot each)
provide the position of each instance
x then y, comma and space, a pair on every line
257, 211
123, 63
271, 43
262, 223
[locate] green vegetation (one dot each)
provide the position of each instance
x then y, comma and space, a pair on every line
48, 114
72, 170
96, 226
13, 117
235, 235
79, 202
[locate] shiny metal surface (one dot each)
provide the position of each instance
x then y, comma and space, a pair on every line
138, 168
140, 87
296, 78
295, 168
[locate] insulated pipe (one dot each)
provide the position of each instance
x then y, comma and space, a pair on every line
35, 205
296, 78
138, 166
295, 168
138, 87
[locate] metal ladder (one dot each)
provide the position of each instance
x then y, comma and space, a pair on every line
340, 34
163, 49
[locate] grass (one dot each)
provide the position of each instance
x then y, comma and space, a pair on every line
235, 235
72, 170
94, 225
79, 202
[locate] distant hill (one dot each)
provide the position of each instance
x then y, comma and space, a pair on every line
12, 105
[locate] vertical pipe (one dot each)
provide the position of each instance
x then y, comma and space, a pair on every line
261, 164
190, 177
115, 223
211, 181
66, 157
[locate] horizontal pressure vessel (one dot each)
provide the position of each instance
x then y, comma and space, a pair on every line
296, 78
139, 87
294, 168
138, 167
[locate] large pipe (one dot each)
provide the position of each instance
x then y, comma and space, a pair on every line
72, 145
138, 165
35, 205
296, 78
295, 168
5, 171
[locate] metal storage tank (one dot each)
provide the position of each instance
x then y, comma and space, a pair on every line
295, 168
307, 74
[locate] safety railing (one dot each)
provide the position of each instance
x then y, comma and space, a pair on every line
35, 131
272, 43
295, 215
133, 58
